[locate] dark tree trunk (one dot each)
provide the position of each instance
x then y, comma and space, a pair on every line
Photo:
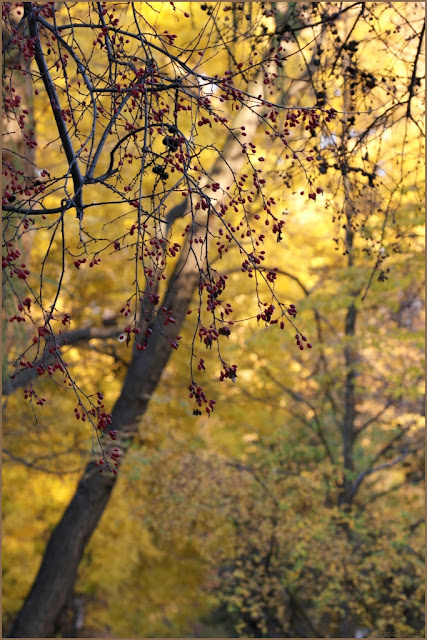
47, 603
53, 587
54, 584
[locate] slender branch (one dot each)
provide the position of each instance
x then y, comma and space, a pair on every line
299, 398
386, 465
372, 469
38, 467
56, 110
374, 418
414, 71
25, 376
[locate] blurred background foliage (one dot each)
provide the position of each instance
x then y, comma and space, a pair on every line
231, 525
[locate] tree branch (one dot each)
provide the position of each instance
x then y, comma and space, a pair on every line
56, 110
26, 376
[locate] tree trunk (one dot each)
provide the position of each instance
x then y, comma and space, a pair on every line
53, 587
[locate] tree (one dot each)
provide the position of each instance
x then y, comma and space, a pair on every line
132, 107
325, 513
355, 403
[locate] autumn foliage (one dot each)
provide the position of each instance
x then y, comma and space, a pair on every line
212, 265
